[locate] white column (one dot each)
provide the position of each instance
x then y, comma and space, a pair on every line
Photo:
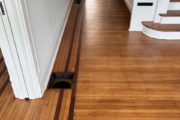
142, 13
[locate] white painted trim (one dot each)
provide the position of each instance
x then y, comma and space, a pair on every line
24, 47
36, 78
174, 6
161, 35
170, 20
30, 35
128, 5
14, 65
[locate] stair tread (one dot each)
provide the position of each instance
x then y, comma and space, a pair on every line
174, 0
171, 13
162, 27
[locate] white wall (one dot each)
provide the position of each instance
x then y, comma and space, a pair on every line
43, 14
36, 39
47, 20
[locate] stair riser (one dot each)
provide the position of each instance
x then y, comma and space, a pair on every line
170, 20
174, 6
161, 35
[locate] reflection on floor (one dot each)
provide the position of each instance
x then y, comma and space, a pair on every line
122, 75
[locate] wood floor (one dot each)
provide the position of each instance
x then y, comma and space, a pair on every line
122, 75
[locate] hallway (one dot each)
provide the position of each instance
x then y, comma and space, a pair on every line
122, 75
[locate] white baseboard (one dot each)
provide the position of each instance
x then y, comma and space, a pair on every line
54, 49
128, 5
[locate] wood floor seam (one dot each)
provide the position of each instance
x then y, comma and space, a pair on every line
72, 103
119, 75
1, 59
59, 104
71, 44
3, 70
4, 86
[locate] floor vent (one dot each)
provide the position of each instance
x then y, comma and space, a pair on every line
61, 80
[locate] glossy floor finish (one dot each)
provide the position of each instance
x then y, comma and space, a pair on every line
55, 104
124, 75
162, 27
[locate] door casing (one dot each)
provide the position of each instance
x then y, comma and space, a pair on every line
11, 57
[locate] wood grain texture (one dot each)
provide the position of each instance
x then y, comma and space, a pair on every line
62, 56
122, 75
174, 0
171, 13
48, 106
162, 27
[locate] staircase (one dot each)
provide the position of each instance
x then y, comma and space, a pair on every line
169, 26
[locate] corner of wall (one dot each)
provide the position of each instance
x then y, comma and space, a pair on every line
54, 49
